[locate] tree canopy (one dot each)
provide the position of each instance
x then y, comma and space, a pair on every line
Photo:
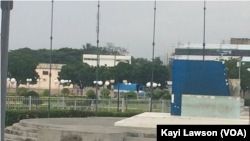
23, 62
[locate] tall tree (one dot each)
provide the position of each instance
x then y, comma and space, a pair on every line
22, 66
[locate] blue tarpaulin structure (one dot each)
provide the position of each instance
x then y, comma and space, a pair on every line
197, 78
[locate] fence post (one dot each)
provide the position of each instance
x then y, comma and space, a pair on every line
92, 105
15, 104
63, 102
162, 106
123, 104
29, 102
149, 104
109, 106
75, 105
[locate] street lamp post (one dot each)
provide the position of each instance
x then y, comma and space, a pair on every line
97, 96
28, 82
106, 83
57, 82
38, 81
152, 86
8, 80
128, 84
118, 92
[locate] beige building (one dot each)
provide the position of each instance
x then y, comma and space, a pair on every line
105, 60
43, 72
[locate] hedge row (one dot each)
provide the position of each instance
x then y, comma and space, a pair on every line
14, 116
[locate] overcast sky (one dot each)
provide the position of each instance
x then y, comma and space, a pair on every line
127, 24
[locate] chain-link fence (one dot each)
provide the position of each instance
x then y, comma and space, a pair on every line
31, 103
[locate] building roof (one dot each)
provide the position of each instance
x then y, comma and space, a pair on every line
105, 57
215, 46
47, 66
245, 59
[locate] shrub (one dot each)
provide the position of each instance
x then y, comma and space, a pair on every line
65, 91
11, 94
132, 94
90, 94
34, 100
77, 96
105, 92
22, 91
46, 92
14, 116
31, 93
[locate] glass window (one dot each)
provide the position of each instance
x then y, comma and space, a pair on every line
45, 72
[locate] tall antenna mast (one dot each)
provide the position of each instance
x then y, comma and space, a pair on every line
152, 78
204, 31
51, 38
97, 66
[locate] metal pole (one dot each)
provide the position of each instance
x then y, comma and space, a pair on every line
6, 6
51, 38
152, 78
204, 32
97, 66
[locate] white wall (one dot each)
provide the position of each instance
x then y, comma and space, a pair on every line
105, 60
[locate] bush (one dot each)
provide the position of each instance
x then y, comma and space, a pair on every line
77, 96
132, 93
105, 92
46, 92
90, 94
22, 91
31, 93
34, 98
14, 116
65, 91
11, 94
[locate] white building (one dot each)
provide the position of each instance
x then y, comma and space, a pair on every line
105, 60
212, 51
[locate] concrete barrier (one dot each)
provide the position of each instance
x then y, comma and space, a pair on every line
211, 106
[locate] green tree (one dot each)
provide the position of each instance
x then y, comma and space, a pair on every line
130, 95
65, 91
233, 72
105, 93
90, 94
22, 91
22, 66
46, 92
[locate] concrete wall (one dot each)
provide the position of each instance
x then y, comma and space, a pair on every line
211, 106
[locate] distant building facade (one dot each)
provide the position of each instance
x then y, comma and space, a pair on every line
105, 60
43, 72
212, 51
244, 41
